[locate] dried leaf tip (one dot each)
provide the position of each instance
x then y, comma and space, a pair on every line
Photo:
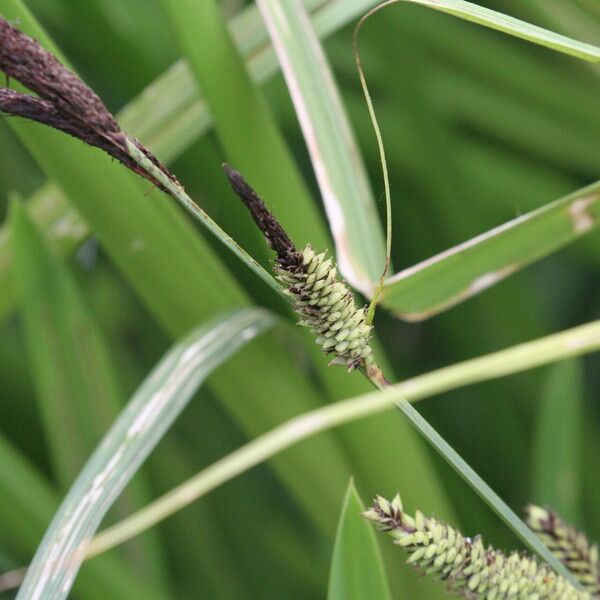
471, 569
65, 102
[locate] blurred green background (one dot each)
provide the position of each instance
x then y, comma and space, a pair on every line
479, 128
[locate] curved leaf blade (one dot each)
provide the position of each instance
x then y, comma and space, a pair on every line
518, 28
147, 417
459, 273
511, 26
357, 569
77, 386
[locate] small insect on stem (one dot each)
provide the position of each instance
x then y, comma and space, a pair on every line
325, 304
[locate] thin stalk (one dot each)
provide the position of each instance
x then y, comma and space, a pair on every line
176, 191
483, 490
573, 342
386, 180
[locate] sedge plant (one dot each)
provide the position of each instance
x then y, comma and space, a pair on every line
343, 329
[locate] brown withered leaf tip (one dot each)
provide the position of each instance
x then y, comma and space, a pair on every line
288, 257
65, 102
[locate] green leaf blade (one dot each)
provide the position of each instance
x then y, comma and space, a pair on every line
526, 31
459, 273
242, 119
77, 390
485, 492
140, 426
357, 569
27, 502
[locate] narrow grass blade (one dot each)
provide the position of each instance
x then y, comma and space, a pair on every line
485, 492
147, 417
77, 387
357, 569
179, 193
573, 18
459, 273
337, 163
558, 442
27, 503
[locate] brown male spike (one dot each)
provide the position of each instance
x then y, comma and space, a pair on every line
65, 102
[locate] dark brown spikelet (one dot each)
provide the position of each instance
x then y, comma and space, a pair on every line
23, 59
288, 256
65, 102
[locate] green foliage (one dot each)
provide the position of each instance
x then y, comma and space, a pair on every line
558, 452
480, 128
132, 437
76, 384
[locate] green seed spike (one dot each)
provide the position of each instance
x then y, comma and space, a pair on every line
570, 546
325, 304
318, 296
470, 569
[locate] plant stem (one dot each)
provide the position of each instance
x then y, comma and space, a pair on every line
382, 158
176, 191
375, 375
